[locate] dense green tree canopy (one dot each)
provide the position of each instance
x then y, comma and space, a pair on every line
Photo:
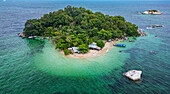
67, 52
100, 43
73, 26
84, 48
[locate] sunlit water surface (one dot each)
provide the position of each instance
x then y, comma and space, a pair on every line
35, 67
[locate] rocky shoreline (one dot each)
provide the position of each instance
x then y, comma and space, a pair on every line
152, 12
21, 35
142, 33
154, 26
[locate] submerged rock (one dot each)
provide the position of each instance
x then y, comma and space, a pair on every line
133, 75
152, 52
130, 41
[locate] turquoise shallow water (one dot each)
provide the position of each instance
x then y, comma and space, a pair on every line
53, 62
30, 66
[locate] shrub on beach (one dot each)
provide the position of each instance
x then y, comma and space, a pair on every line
67, 52
100, 43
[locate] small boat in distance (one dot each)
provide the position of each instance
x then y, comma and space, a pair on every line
119, 45
30, 37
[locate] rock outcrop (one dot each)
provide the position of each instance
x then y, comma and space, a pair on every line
22, 35
133, 75
153, 26
142, 33
152, 12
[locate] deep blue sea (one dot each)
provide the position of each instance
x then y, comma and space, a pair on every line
35, 67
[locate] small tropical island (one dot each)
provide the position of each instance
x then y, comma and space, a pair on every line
77, 30
152, 12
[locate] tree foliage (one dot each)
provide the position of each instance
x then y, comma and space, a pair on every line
100, 43
73, 26
67, 52
84, 48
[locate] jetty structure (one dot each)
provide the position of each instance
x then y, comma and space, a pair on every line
152, 12
134, 75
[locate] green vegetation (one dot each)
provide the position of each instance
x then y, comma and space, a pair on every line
79, 27
84, 48
67, 52
154, 10
100, 43
134, 38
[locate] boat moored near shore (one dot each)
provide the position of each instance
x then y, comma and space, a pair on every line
30, 37
119, 45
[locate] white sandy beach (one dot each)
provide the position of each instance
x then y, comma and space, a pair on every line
93, 53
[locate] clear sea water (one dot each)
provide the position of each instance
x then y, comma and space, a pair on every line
35, 67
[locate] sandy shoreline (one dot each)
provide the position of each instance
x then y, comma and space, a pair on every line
93, 53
